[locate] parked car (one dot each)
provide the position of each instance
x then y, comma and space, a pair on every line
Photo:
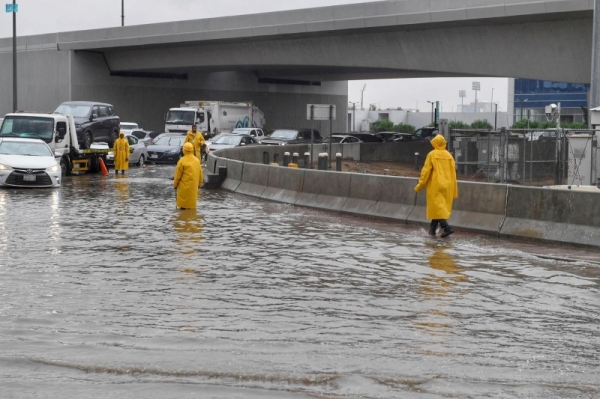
291, 136
138, 153
230, 140
426, 133
166, 148
337, 138
385, 136
143, 135
93, 121
403, 137
127, 127
541, 134
27, 162
367, 137
255, 132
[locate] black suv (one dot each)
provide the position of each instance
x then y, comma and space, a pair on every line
93, 121
291, 136
425, 133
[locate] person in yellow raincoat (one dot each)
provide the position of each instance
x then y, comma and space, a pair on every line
188, 178
439, 177
121, 153
197, 139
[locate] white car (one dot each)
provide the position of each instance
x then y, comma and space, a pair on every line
255, 132
28, 162
127, 127
138, 153
230, 140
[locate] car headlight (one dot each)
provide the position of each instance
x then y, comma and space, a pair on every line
53, 169
282, 143
5, 167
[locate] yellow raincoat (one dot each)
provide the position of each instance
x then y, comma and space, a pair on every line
439, 176
188, 178
121, 152
197, 140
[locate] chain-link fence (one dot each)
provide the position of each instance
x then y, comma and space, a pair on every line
527, 157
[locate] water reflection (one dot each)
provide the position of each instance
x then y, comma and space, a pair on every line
188, 226
439, 288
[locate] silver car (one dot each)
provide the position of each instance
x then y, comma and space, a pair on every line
138, 152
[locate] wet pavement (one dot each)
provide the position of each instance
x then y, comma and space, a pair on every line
108, 291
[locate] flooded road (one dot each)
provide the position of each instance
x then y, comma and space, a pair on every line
108, 291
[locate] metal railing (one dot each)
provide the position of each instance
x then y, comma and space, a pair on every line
527, 157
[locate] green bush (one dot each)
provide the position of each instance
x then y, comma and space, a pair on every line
404, 128
458, 125
383, 125
481, 124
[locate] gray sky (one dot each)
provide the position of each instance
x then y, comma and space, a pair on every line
49, 16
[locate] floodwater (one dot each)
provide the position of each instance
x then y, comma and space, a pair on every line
108, 291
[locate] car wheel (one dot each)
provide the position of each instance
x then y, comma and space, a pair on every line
88, 139
141, 161
65, 168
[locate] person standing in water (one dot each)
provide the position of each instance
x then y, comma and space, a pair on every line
438, 176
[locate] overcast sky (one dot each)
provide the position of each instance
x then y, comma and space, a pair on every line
49, 16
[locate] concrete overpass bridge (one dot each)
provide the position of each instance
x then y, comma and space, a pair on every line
284, 60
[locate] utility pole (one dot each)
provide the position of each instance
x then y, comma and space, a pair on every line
122, 12
14, 10
353, 116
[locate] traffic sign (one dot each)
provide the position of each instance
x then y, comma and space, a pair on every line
12, 8
320, 112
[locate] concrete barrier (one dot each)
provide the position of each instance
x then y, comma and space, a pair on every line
380, 196
325, 189
284, 184
480, 207
543, 214
234, 173
552, 215
254, 179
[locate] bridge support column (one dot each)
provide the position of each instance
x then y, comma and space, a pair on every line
595, 78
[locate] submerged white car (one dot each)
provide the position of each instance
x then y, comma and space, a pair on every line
28, 162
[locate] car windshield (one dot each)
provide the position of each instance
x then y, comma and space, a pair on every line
334, 139
28, 126
228, 140
181, 117
139, 134
76, 110
35, 149
284, 134
172, 141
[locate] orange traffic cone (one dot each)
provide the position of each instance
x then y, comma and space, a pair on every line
103, 168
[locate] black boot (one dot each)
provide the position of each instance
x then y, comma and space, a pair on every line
447, 231
433, 227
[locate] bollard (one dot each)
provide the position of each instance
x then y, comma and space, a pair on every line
338, 161
276, 158
307, 160
286, 158
265, 157
295, 158
321, 163
416, 161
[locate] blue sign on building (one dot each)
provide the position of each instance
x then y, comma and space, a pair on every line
12, 8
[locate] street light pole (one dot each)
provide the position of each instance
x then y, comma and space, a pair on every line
353, 115
122, 12
431, 102
14, 11
476, 87
462, 94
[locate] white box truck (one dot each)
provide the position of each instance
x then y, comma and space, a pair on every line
213, 117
